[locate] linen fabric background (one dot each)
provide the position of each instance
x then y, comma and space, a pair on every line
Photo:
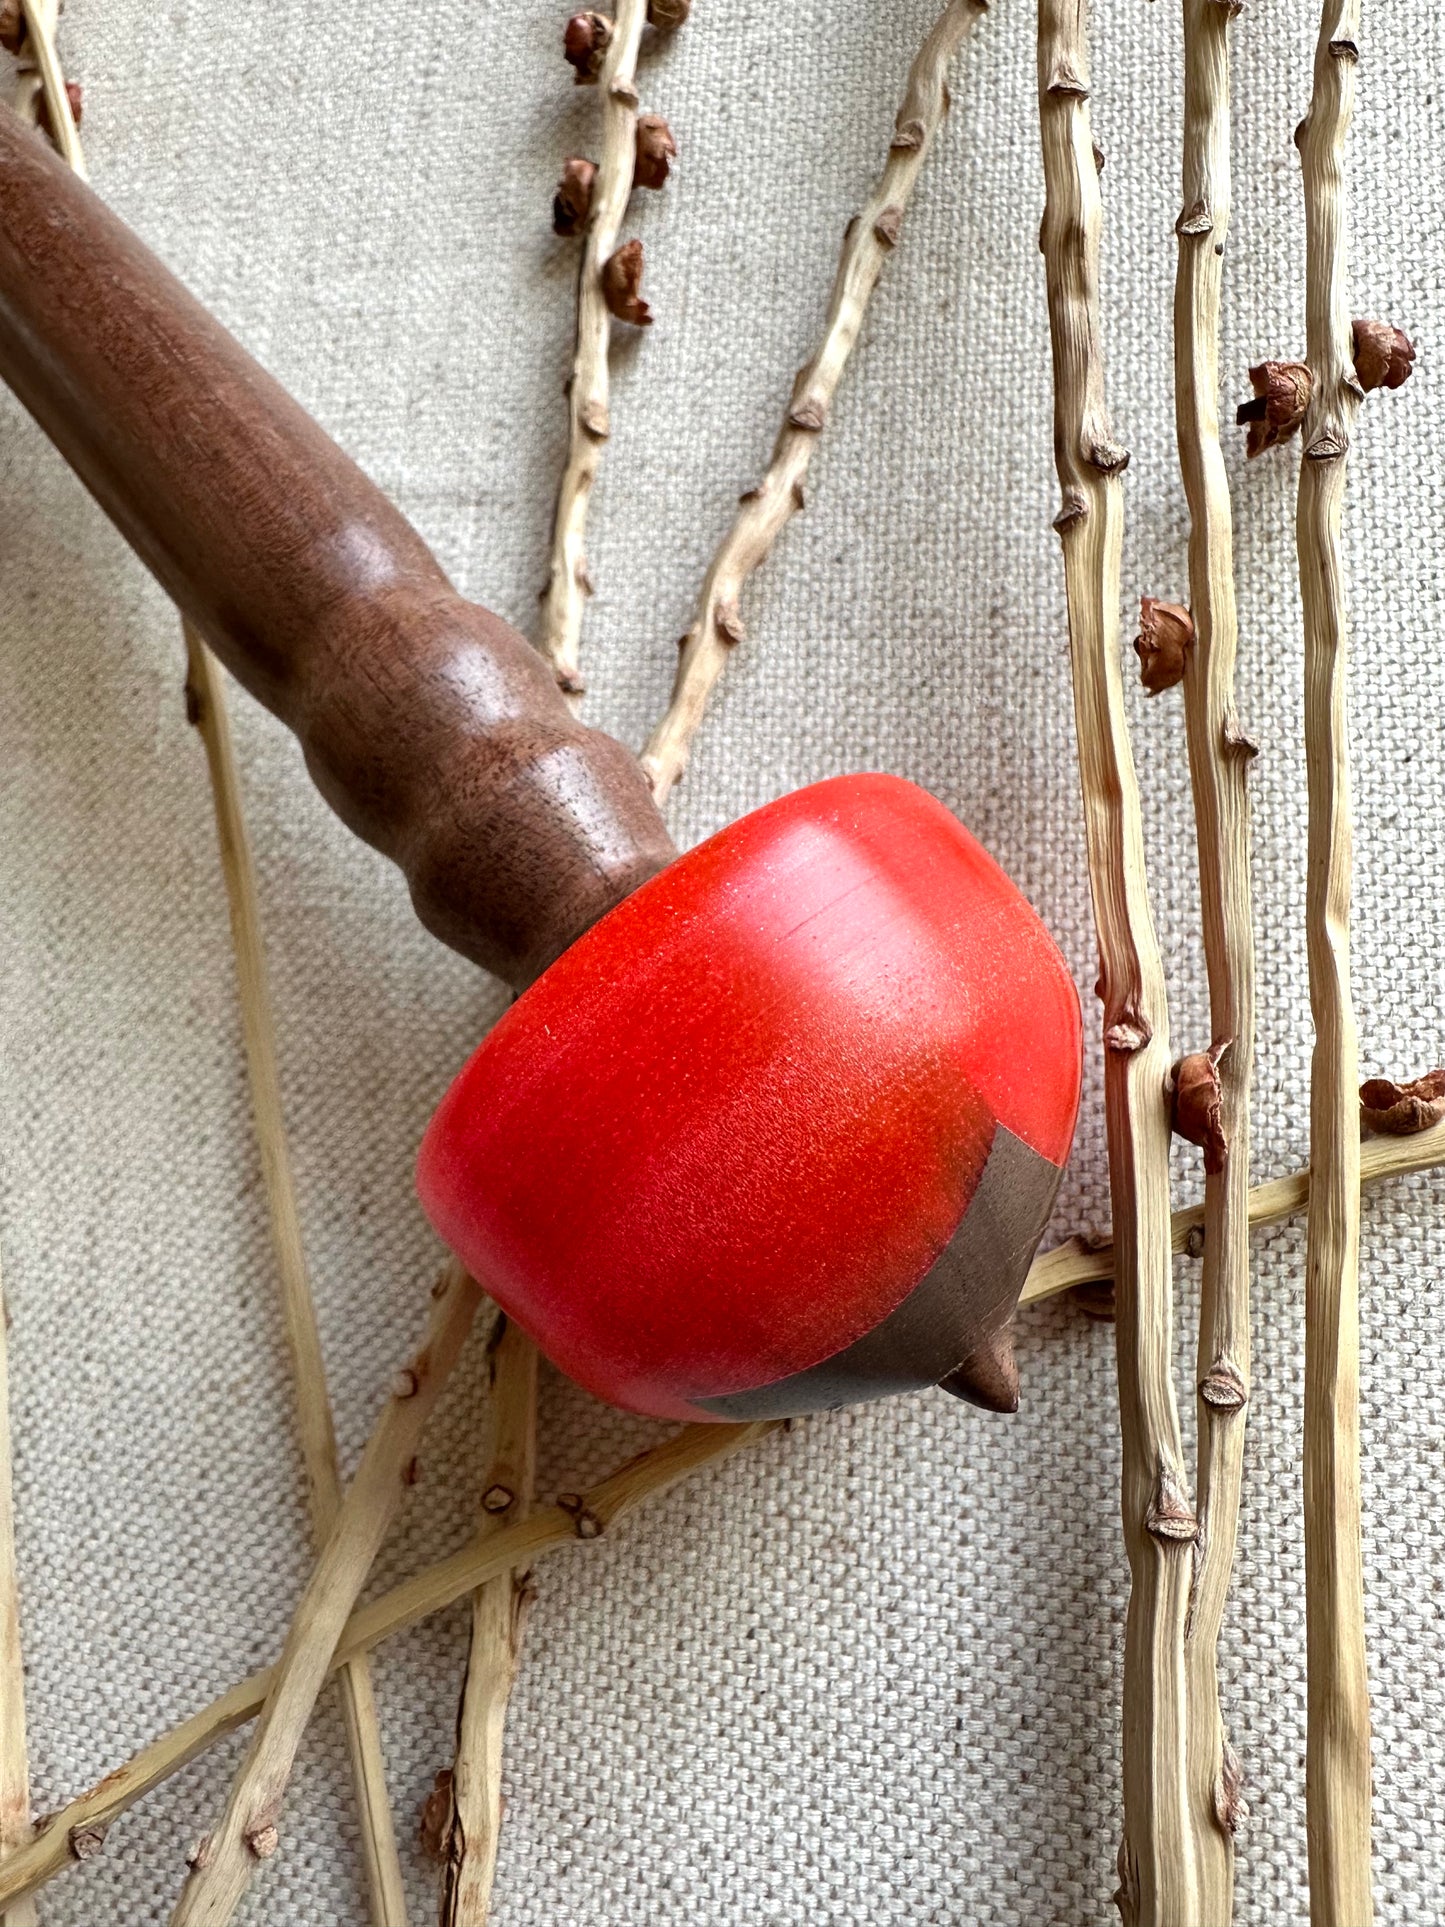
869, 1671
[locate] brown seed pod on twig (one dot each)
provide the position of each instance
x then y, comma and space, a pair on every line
1384, 355
656, 150
622, 285
1166, 635
572, 203
75, 94
435, 1824
585, 41
1282, 392
1198, 1113
668, 15
1400, 1110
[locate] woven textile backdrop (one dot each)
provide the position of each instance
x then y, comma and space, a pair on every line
869, 1672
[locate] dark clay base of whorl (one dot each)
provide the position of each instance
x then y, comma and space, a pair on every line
948, 1317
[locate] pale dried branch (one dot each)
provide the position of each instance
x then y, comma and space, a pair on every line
559, 629
248, 1833
41, 93
33, 93
1218, 770
206, 707
766, 510
1085, 1261
15, 1825
499, 1613
1158, 1862
77, 1830
1337, 1744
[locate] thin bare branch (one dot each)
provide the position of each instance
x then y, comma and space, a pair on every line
206, 706
499, 1614
1218, 763
33, 89
589, 421
41, 82
15, 1826
77, 1831
1157, 1860
249, 1830
1337, 1747
766, 510
1084, 1261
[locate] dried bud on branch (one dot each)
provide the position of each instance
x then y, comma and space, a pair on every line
1282, 392
656, 150
622, 285
436, 1817
668, 15
1384, 355
1400, 1110
12, 26
1198, 1112
585, 41
1170, 1515
1166, 635
1228, 1805
1095, 1299
75, 94
572, 203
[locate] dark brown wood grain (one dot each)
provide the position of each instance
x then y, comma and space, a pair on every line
431, 727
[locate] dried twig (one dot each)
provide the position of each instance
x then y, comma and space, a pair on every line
1084, 1260
559, 627
15, 1827
1337, 1748
499, 1611
206, 707
222, 1866
32, 92
766, 510
76, 1832
1158, 1878
41, 94
1218, 763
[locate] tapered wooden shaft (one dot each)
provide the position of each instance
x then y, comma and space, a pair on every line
431, 727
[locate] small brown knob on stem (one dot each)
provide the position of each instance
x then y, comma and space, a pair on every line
622, 285
668, 15
1282, 391
572, 203
1400, 1110
1165, 638
585, 40
75, 94
1198, 1106
1384, 355
656, 150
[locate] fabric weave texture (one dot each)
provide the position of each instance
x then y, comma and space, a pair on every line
869, 1671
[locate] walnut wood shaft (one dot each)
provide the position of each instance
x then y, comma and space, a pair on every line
431, 727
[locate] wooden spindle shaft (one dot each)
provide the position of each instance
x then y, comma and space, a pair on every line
431, 727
